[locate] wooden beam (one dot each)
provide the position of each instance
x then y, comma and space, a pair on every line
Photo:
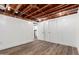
35, 6
26, 10
69, 12
49, 15
29, 6
18, 6
73, 6
7, 5
38, 10
50, 10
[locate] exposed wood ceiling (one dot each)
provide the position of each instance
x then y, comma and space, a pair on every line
40, 12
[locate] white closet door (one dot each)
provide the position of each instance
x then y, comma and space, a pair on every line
53, 30
40, 31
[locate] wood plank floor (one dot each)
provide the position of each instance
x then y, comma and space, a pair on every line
39, 47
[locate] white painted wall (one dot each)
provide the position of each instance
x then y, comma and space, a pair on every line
63, 30
14, 31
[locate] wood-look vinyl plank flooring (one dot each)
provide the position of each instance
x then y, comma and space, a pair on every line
39, 47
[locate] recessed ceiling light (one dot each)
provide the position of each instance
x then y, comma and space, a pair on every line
60, 13
16, 12
9, 8
39, 19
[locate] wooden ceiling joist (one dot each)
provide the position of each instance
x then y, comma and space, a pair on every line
26, 10
50, 10
17, 8
64, 9
35, 6
73, 11
64, 13
38, 10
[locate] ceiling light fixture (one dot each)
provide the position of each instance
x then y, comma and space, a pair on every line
16, 12
39, 19
9, 8
59, 14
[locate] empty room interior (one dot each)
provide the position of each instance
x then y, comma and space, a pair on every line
39, 29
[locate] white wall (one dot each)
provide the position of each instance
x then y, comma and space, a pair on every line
63, 30
14, 31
